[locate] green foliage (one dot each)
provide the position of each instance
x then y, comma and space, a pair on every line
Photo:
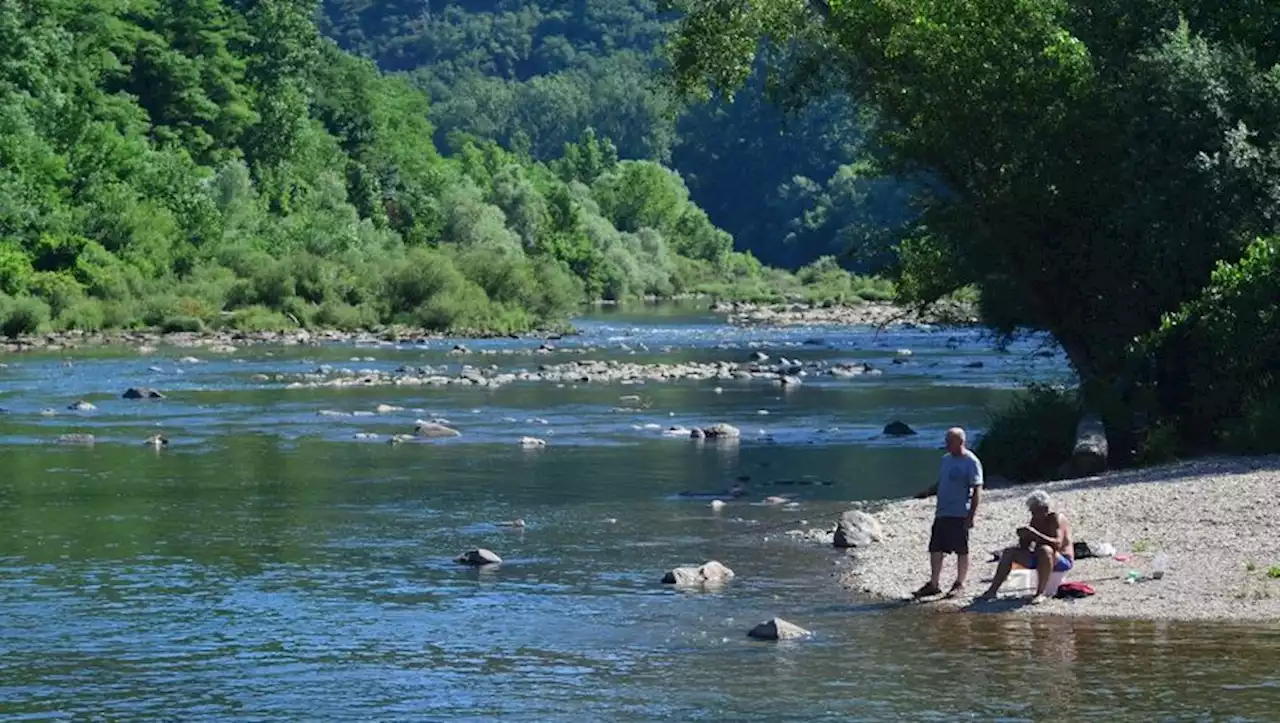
1088, 164
1033, 437
22, 316
195, 164
535, 75
1211, 372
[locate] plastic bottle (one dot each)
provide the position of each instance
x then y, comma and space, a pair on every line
1158, 565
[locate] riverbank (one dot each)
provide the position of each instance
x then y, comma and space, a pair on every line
881, 314
1214, 519
228, 340
738, 314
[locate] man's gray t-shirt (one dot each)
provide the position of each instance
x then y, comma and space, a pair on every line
959, 473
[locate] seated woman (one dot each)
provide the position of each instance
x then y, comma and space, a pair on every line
1044, 546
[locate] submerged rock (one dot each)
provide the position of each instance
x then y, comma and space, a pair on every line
898, 429
157, 441
141, 393
81, 406
709, 573
532, 442
777, 629
434, 430
478, 557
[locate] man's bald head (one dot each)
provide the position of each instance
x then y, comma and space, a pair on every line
955, 440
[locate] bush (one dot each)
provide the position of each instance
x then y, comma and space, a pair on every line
22, 316
1032, 438
259, 318
176, 324
1210, 371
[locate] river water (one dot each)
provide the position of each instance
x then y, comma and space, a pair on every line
267, 565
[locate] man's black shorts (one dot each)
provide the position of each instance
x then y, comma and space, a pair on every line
950, 535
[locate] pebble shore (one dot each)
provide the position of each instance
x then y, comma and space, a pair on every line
1213, 518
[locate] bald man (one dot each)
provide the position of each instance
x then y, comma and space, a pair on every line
959, 490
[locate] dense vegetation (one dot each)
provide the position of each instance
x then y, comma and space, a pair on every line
535, 74
1107, 171
181, 163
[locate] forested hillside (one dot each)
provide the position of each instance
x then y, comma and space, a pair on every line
181, 163
533, 74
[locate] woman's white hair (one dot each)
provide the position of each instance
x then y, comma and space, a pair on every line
1039, 498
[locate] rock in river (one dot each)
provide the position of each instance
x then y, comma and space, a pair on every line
710, 573
141, 393
777, 629
434, 430
721, 431
898, 429
478, 557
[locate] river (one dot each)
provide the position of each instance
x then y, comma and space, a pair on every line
267, 565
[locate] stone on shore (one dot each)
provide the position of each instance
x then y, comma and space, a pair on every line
434, 430
777, 629
1089, 457
709, 573
857, 529
141, 393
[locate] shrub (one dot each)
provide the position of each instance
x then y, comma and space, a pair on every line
85, 315
259, 318
1032, 438
1210, 371
24, 315
339, 315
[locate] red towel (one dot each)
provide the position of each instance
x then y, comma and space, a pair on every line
1074, 589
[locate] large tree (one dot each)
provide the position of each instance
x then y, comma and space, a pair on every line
1095, 158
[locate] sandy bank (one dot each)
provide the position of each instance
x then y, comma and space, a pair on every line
1215, 519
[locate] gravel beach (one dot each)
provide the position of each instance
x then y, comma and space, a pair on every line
1215, 519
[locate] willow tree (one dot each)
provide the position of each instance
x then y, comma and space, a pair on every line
1094, 159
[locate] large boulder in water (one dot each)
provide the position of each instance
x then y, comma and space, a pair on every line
857, 529
777, 629
478, 557
434, 430
721, 431
898, 429
709, 573
141, 393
